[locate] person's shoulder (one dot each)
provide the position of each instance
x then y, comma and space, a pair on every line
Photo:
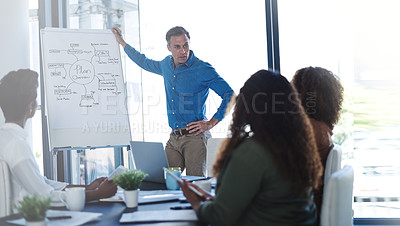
207, 70
204, 64
14, 150
255, 154
252, 147
251, 142
167, 60
13, 135
200, 63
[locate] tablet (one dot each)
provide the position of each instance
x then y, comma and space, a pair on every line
180, 180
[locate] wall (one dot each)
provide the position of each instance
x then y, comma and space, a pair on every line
14, 41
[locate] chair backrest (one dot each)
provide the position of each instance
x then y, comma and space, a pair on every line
5, 190
213, 145
333, 162
337, 201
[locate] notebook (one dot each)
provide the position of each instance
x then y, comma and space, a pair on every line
155, 216
150, 158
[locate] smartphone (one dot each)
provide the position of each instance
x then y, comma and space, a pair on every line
180, 180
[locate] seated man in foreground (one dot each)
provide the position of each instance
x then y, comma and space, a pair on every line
18, 93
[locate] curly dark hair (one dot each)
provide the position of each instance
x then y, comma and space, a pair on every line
18, 89
176, 31
268, 110
321, 93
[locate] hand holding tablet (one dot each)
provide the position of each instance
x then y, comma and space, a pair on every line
180, 180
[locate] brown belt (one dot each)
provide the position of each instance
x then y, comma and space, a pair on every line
180, 132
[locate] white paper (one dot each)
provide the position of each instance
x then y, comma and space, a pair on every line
158, 216
77, 218
120, 169
148, 196
118, 197
159, 196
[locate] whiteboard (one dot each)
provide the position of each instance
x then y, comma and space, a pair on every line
84, 88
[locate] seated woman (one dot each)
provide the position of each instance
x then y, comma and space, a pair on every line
267, 168
18, 92
321, 95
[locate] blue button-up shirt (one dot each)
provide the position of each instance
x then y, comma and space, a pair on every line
186, 87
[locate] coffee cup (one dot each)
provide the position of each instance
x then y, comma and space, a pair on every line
73, 198
170, 182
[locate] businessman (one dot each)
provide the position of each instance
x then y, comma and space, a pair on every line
187, 81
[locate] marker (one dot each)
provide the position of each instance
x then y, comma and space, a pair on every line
117, 32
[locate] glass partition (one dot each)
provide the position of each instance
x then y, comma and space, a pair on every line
358, 41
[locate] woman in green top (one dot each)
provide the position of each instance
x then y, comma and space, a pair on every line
267, 168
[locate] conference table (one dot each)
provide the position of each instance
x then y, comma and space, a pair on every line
112, 211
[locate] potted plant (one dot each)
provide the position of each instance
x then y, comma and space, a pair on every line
130, 181
33, 209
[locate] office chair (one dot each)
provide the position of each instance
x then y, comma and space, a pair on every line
333, 162
337, 201
5, 190
213, 145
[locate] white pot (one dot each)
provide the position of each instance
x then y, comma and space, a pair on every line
131, 198
35, 223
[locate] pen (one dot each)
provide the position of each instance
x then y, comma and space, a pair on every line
59, 217
117, 32
181, 207
205, 178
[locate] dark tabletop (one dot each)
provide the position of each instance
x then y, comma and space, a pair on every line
112, 211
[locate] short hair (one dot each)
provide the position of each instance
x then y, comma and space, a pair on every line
18, 89
321, 94
176, 31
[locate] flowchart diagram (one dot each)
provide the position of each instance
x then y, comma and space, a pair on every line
85, 66
84, 87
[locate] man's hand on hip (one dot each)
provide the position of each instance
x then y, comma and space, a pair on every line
198, 127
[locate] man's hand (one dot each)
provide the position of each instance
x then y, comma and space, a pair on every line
106, 189
96, 183
201, 126
118, 35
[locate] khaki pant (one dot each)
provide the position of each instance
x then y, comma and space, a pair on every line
188, 151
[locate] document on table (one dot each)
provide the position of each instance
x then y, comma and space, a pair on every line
159, 196
159, 216
77, 218
148, 196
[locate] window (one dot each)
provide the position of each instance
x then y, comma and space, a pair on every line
35, 65
233, 41
357, 41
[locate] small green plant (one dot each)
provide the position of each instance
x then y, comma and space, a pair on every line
130, 180
33, 208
